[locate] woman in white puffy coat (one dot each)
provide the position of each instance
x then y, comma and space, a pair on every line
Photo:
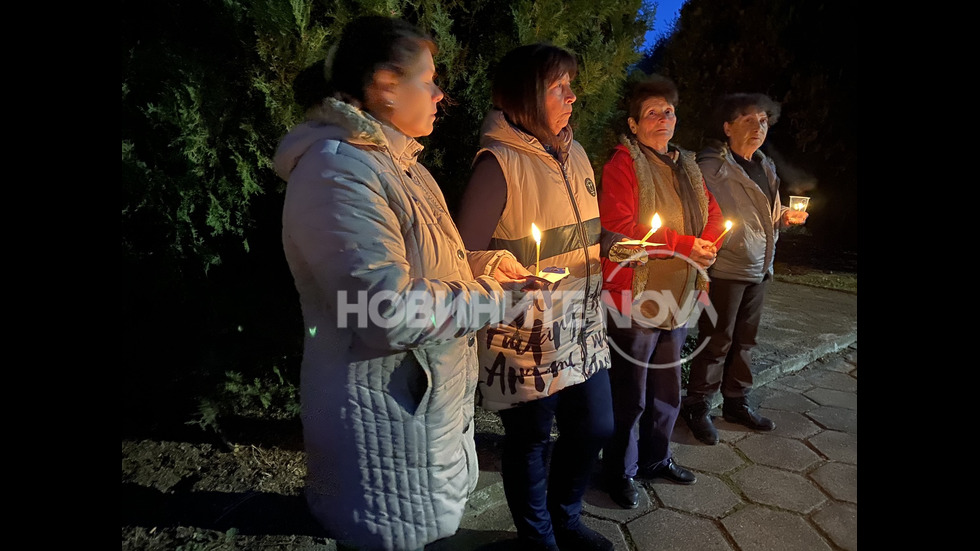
390, 298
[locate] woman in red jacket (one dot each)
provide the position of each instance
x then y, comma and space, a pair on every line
651, 305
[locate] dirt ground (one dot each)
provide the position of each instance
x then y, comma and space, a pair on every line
186, 489
188, 494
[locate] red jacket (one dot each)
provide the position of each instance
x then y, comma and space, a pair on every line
619, 205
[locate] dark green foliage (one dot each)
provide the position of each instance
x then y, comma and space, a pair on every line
802, 54
207, 92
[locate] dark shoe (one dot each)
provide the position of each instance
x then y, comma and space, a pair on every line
671, 471
623, 491
699, 420
581, 538
738, 411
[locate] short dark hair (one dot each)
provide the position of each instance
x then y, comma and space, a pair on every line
370, 43
651, 87
733, 106
521, 80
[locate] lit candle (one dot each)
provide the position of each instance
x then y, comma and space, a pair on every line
728, 226
654, 226
798, 202
537, 241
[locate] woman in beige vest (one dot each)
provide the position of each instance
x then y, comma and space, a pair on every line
549, 364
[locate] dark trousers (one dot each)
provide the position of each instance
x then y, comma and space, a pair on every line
725, 363
543, 497
645, 378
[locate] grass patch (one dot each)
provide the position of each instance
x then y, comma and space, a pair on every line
838, 281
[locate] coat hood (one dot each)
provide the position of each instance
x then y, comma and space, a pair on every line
337, 120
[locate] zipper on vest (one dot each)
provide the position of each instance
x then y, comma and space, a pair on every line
588, 263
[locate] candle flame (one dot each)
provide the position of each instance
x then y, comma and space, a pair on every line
798, 206
536, 233
654, 225
728, 226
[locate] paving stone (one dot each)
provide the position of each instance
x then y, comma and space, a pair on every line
756, 528
493, 518
834, 364
789, 401
835, 418
716, 459
709, 496
761, 394
776, 451
839, 521
837, 479
731, 433
664, 530
489, 492
792, 383
610, 529
834, 380
790, 424
782, 489
836, 445
834, 398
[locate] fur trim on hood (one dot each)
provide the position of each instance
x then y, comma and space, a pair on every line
337, 120
645, 183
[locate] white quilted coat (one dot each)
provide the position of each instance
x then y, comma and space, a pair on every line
387, 408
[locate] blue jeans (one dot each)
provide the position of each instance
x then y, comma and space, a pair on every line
645, 378
543, 497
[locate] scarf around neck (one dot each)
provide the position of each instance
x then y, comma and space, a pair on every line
693, 189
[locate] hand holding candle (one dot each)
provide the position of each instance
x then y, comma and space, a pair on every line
537, 240
728, 226
654, 226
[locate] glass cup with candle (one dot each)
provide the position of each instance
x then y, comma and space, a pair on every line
798, 202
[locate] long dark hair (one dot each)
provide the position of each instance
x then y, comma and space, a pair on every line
367, 44
521, 81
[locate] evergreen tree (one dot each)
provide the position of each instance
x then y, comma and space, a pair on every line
207, 92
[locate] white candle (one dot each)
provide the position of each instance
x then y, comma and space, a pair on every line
537, 240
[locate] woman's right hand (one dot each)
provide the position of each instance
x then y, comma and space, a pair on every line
704, 253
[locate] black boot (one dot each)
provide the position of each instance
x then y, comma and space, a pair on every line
737, 410
697, 417
623, 491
